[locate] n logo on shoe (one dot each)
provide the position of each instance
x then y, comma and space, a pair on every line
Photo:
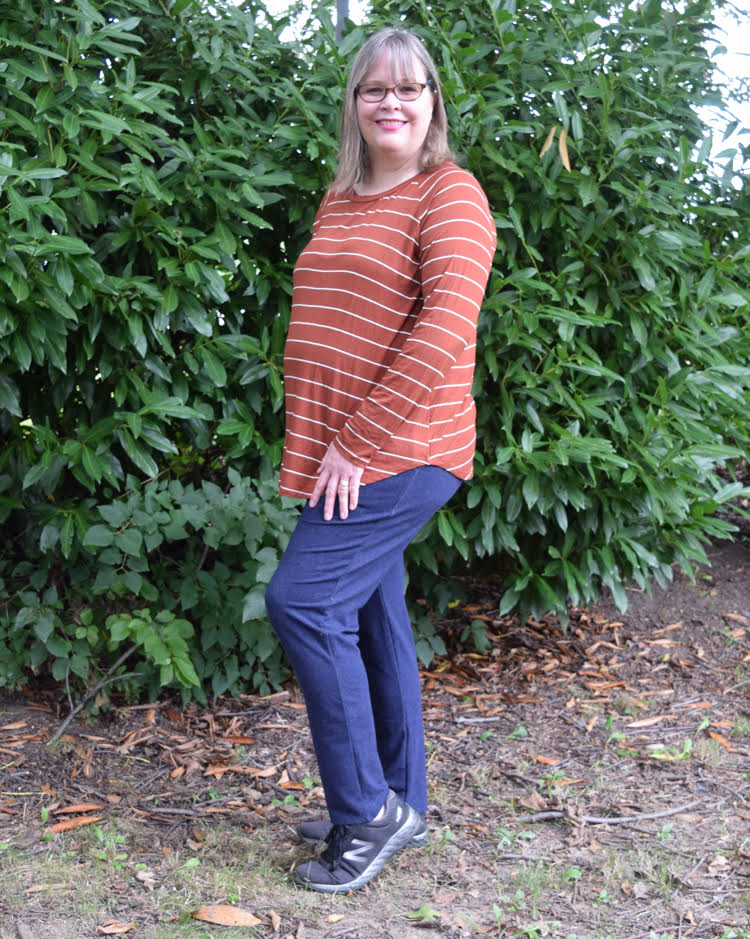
360, 852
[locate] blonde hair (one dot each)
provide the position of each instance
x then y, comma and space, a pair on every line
402, 48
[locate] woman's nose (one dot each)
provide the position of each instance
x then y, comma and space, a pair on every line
390, 99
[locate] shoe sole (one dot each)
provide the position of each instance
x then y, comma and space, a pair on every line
397, 841
417, 841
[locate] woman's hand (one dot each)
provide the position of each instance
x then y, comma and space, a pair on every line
337, 476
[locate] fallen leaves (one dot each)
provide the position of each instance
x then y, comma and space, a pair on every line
147, 878
113, 927
719, 866
424, 916
79, 809
650, 721
70, 823
223, 914
43, 888
719, 738
737, 618
238, 739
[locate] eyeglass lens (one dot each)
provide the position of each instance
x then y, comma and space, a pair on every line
406, 91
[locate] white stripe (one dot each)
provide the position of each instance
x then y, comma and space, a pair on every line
453, 273
449, 404
436, 441
343, 353
431, 345
373, 261
368, 215
443, 309
368, 225
411, 358
384, 346
456, 450
303, 456
402, 456
363, 298
352, 274
301, 418
405, 420
290, 396
364, 319
295, 380
294, 433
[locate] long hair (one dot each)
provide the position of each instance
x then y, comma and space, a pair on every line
402, 48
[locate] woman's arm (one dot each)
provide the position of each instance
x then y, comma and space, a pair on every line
457, 245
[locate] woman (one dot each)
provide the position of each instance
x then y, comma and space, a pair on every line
378, 365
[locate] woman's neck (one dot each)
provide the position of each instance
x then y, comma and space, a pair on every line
383, 179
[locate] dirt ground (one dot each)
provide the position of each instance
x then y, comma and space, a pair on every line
593, 782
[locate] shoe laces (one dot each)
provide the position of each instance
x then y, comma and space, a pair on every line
336, 843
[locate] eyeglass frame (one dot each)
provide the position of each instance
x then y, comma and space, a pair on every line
429, 83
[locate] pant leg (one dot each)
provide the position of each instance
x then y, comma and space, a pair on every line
387, 647
329, 571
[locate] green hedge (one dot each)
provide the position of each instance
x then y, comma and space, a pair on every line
159, 171
614, 358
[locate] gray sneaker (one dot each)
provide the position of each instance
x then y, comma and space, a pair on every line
354, 854
318, 830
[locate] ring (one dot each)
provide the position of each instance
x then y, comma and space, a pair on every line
343, 484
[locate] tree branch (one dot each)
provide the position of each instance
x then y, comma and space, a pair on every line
82, 703
606, 820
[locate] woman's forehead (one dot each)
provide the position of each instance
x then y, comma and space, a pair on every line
397, 64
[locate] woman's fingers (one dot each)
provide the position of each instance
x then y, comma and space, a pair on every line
320, 488
354, 491
342, 491
338, 479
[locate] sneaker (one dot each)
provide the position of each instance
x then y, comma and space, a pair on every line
354, 854
318, 830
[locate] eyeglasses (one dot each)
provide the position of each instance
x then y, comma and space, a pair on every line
404, 91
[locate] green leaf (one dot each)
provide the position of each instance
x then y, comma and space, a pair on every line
43, 627
445, 528
216, 371
138, 455
98, 536
130, 541
185, 672
254, 606
64, 244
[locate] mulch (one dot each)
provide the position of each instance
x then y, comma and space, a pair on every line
515, 733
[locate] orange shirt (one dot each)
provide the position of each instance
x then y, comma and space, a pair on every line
380, 352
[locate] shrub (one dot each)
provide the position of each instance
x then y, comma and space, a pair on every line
149, 218
614, 354
159, 172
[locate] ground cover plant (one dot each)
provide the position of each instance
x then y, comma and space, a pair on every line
588, 784
159, 170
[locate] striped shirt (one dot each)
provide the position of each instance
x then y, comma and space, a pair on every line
379, 358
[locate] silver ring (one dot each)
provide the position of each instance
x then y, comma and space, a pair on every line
343, 484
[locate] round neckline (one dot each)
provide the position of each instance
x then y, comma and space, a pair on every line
359, 197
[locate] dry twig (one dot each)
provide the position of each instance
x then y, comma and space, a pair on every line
606, 820
82, 703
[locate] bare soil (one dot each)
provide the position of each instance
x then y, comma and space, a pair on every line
588, 782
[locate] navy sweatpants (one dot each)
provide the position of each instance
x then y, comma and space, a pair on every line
337, 604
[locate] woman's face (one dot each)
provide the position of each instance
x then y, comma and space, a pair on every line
395, 130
